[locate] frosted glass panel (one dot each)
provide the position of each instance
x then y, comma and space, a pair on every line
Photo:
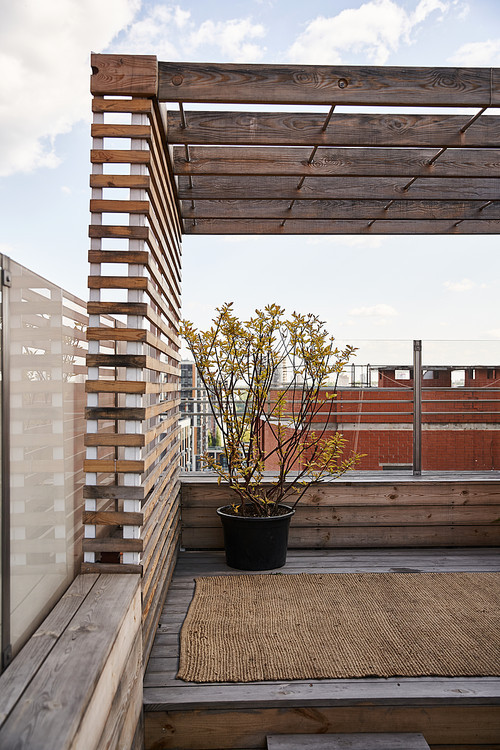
47, 358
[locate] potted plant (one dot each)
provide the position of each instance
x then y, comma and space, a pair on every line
269, 423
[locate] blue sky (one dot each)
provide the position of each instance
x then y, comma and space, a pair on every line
379, 287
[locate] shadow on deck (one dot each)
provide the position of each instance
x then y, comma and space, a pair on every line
451, 713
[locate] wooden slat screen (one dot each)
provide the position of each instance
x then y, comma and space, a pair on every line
132, 500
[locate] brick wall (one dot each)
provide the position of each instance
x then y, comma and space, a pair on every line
459, 427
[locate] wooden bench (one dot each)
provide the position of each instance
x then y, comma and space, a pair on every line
77, 683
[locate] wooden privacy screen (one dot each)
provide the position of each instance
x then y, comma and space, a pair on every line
131, 509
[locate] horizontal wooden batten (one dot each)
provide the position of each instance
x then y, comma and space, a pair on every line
138, 181
304, 129
113, 466
100, 231
132, 106
140, 361
129, 413
332, 84
296, 226
127, 386
330, 162
112, 130
338, 188
115, 412
119, 156
132, 334
112, 518
341, 209
115, 439
119, 206
112, 492
112, 544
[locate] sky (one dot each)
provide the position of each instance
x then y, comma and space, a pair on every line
383, 287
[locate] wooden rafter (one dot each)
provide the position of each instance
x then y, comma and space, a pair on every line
340, 162
321, 84
421, 170
359, 130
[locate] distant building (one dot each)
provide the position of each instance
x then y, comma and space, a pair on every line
195, 408
460, 416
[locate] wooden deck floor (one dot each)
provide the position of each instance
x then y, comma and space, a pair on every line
164, 693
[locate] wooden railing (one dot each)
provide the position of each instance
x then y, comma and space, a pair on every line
364, 511
132, 509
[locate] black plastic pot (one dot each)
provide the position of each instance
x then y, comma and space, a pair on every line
255, 543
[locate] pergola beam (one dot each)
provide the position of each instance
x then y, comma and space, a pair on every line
341, 162
305, 129
323, 84
337, 188
294, 226
341, 209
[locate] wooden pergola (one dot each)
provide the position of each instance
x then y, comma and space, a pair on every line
353, 171
173, 155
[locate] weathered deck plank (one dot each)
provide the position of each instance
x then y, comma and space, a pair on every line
354, 741
162, 691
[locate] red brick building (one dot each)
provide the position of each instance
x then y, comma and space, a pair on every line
460, 425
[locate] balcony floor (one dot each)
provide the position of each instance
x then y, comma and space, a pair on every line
165, 696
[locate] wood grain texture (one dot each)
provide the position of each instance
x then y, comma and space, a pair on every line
338, 188
16, 678
346, 210
136, 105
320, 226
316, 84
113, 518
331, 162
124, 75
119, 156
164, 695
150, 242
114, 130
305, 129
347, 741
67, 701
344, 514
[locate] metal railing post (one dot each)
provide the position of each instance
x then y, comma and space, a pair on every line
417, 408
6, 648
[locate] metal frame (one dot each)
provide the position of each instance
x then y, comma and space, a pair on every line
417, 407
5, 461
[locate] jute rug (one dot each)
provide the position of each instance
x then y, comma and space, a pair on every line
249, 628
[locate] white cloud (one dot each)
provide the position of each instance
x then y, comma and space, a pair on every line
232, 38
373, 31
494, 332
45, 68
374, 311
158, 33
465, 285
477, 54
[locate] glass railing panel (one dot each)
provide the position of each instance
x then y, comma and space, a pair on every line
375, 401
46, 370
460, 405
